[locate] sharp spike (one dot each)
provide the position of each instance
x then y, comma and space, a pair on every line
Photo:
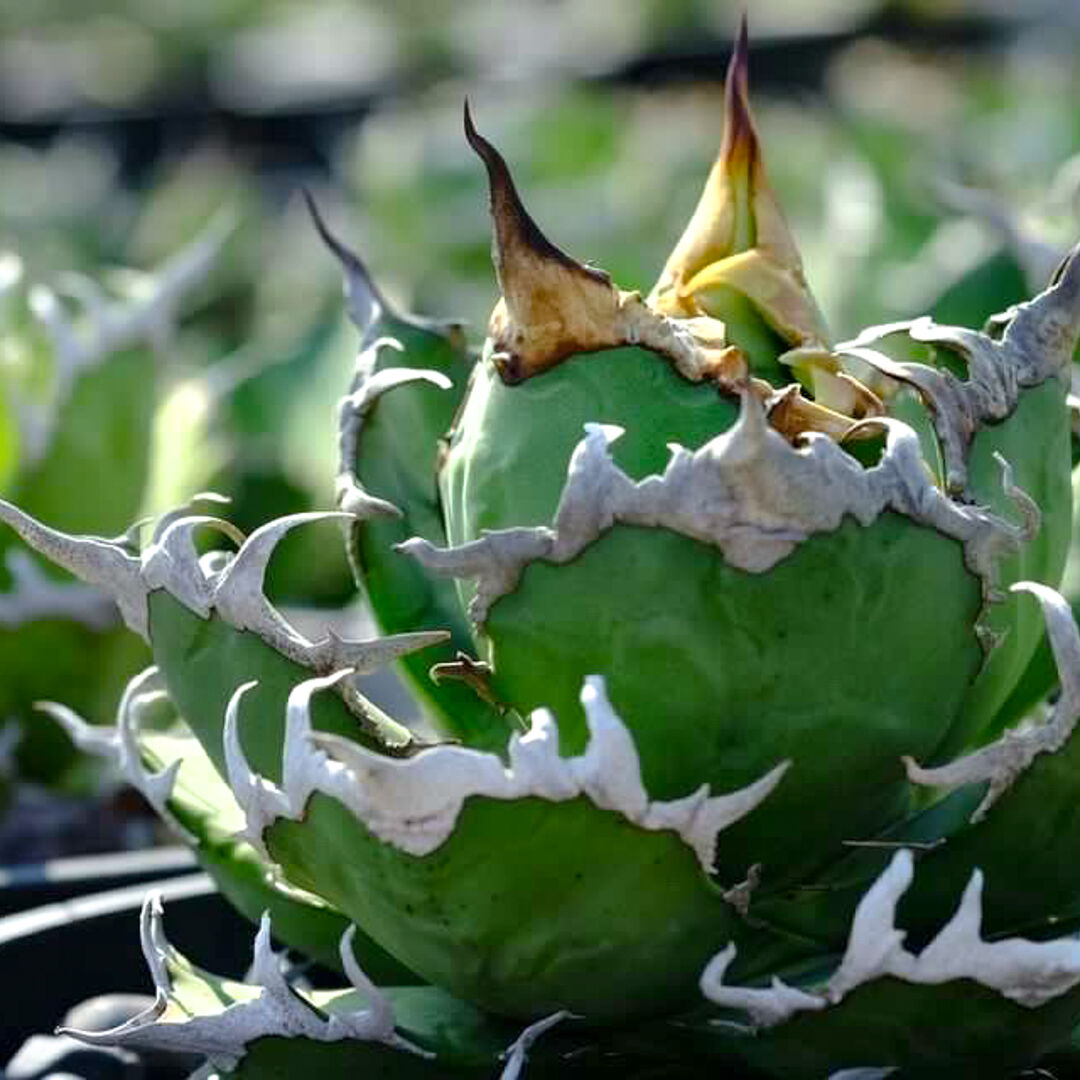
1064, 638
749, 435
611, 755
357, 503
739, 145
1048, 327
1001, 763
103, 742
766, 1007
352, 415
379, 1018
515, 229
173, 562
300, 761
517, 1052
552, 305
365, 303
156, 788
265, 963
371, 655
374, 386
91, 559
155, 947
260, 801
170, 516
238, 593
497, 560
738, 215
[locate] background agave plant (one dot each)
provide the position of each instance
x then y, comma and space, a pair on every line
79, 389
719, 624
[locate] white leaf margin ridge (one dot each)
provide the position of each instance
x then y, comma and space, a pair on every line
754, 496
119, 745
413, 803
747, 492
232, 587
1002, 762
1029, 973
353, 410
1036, 343
1026, 972
276, 1010
113, 324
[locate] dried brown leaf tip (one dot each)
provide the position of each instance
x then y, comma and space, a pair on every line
795, 416
551, 304
738, 236
553, 307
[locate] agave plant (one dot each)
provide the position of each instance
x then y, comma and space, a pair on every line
714, 620
79, 388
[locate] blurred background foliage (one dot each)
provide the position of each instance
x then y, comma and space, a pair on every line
126, 125
926, 154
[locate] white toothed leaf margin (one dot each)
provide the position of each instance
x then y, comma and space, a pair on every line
277, 1010
104, 564
353, 411
413, 803
748, 492
518, 1052
1027, 972
1002, 762
233, 587
1037, 344
172, 562
237, 596
111, 325
119, 745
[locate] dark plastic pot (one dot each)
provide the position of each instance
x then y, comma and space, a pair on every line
30, 885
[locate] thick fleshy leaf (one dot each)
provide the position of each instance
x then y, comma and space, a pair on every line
436, 856
203, 660
958, 1029
1031, 776
265, 1028
410, 379
955, 1002
790, 636
204, 806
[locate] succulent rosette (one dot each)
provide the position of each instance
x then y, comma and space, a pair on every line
713, 618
